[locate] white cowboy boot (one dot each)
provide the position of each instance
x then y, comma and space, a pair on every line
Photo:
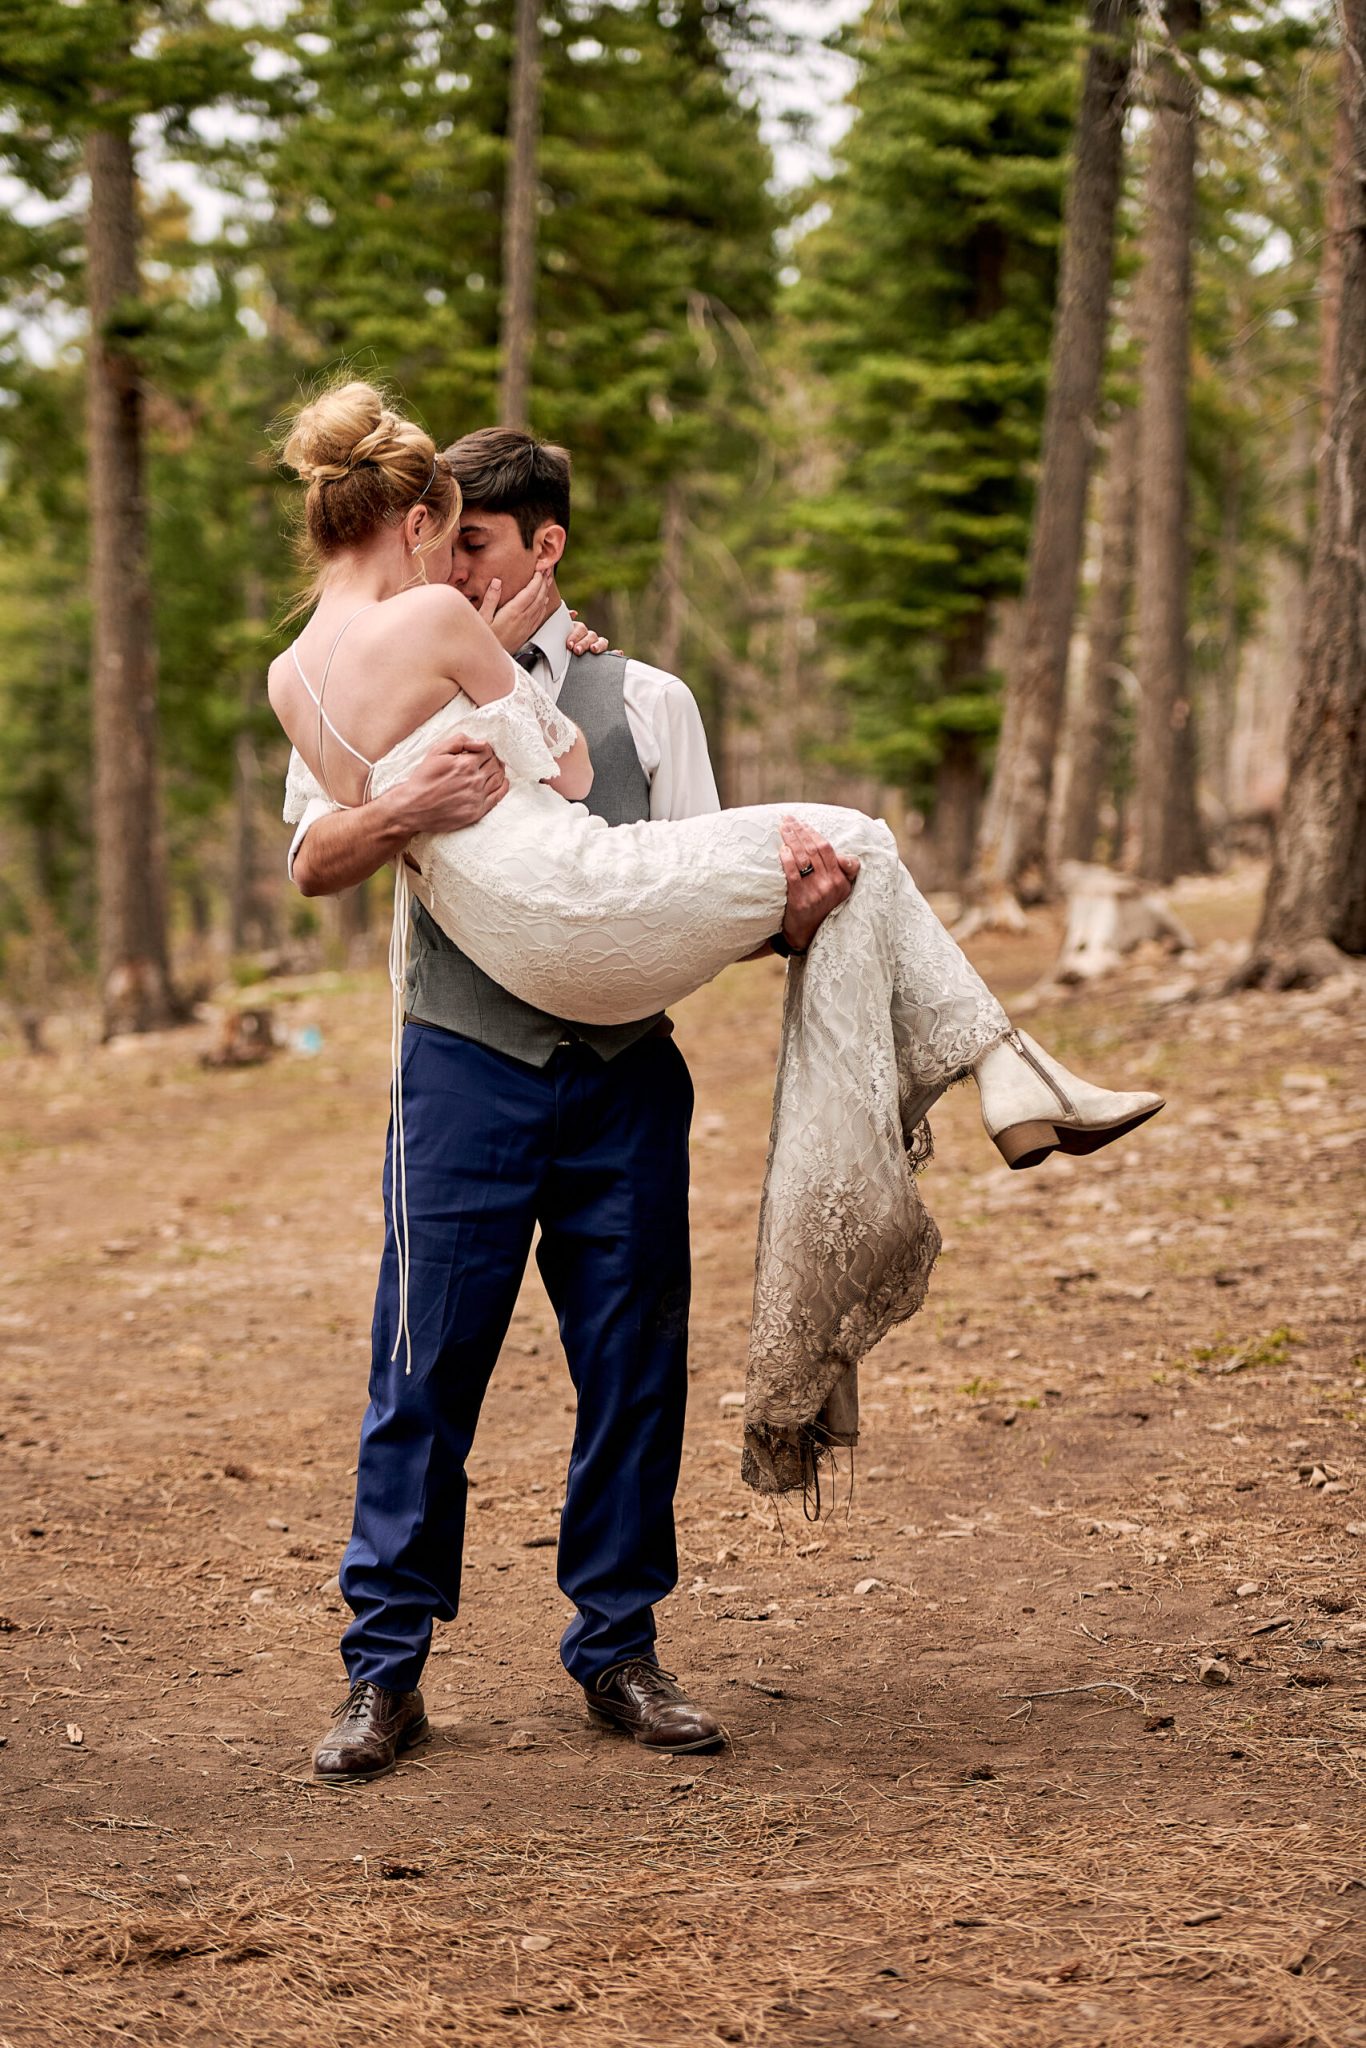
1032, 1106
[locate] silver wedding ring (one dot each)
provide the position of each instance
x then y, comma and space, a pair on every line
809, 869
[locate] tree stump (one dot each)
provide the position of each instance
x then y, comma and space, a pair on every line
245, 1039
1108, 915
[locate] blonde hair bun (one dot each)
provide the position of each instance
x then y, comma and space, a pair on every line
348, 427
365, 466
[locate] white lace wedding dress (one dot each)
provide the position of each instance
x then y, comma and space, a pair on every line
602, 925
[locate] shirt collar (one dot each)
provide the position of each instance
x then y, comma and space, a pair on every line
552, 640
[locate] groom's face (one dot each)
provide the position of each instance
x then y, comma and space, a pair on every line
489, 544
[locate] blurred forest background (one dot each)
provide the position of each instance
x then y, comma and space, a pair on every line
981, 478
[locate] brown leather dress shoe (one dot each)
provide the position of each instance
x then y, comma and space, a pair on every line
371, 1727
647, 1702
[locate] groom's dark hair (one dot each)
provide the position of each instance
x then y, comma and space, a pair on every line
501, 470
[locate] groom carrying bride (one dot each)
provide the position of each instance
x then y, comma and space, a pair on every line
514, 1119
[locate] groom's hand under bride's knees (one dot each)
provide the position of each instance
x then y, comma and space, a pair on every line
818, 881
456, 785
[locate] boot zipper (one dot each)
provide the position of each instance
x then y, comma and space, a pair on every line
1069, 1107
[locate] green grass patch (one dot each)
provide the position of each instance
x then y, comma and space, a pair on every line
1226, 1355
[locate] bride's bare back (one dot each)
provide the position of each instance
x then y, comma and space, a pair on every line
381, 667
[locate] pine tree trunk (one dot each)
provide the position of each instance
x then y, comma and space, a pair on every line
1269, 668
1315, 908
952, 832
519, 218
354, 922
248, 917
1012, 853
1339, 199
1189, 845
959, 780
249, 914
1221, 701
1168, 828
1092, 741
135, 983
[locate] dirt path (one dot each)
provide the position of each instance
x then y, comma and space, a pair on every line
1081, 1469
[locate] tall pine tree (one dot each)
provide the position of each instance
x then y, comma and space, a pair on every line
1313, 920
74, 83
1011, 851
928, 292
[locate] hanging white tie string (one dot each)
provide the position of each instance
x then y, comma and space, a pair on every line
398, 1164
398, 975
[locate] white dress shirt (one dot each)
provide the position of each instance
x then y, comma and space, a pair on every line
661, 712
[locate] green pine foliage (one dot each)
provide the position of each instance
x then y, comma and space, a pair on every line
926, 300
382, 240
361, 225
874, 424
44, 655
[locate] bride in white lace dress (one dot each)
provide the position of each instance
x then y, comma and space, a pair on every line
603, 925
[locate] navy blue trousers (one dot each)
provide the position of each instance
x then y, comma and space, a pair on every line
596, 1153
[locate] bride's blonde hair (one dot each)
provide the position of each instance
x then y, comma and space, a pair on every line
364, 467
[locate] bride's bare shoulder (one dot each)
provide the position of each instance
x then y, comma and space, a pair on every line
430, 608
280, 687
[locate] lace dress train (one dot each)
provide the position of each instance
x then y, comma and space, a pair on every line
880, 1017
602, 925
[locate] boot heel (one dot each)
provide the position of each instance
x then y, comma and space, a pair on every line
1023, 1145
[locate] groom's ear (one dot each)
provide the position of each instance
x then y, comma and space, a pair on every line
550, 544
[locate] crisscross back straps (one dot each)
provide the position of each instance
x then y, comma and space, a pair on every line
324, 720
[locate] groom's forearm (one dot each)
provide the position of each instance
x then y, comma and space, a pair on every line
346, 847
457, 784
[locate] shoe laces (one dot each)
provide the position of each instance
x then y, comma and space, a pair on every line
356, 1698
641, 1671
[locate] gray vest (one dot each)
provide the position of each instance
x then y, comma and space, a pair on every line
445, 987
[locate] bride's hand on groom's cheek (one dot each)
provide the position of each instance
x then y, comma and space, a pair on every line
524, 613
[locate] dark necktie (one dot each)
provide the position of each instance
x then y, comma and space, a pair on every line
527, 657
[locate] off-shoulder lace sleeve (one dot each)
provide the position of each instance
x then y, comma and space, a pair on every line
302, 788
526, 730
